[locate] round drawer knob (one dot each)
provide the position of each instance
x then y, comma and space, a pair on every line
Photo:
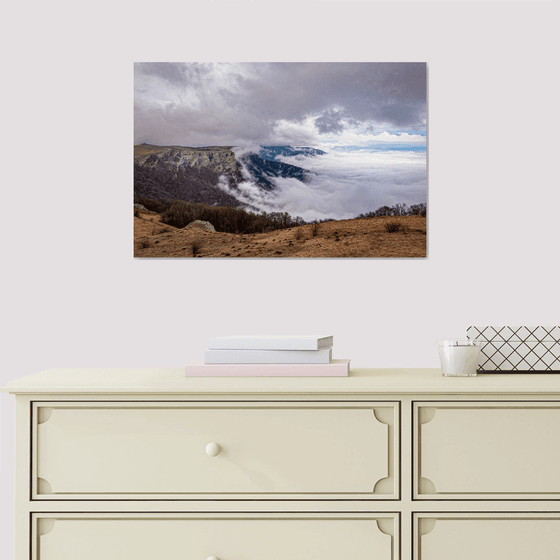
212, 558
212, 449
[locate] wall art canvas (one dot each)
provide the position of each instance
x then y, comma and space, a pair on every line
280, 160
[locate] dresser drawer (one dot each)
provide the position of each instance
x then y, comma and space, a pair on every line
488, 536
225, 537
197, 450
474, 450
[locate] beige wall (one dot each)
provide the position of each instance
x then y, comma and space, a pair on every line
73, 295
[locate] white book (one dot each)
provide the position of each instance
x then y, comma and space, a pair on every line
323, 356
271, 342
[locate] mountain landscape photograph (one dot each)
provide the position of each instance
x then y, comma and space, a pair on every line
280, 160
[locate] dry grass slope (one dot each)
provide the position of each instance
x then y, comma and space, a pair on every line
358, 238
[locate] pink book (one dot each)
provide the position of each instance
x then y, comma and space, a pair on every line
337, 368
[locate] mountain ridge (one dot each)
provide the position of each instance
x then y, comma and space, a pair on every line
273, 152
175, 171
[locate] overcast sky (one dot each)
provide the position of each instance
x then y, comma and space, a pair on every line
300, 104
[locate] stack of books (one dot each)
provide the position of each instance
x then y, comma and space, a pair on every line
270, 356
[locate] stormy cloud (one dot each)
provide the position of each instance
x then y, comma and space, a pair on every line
247, 103
329, 121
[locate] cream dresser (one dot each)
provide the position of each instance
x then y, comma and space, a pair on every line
144, 464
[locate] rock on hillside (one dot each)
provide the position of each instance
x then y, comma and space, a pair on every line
200, 224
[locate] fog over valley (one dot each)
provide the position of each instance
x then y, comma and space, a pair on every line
341, 185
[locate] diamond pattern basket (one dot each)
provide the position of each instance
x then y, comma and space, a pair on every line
518, 349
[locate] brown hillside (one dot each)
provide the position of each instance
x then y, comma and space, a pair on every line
358, 238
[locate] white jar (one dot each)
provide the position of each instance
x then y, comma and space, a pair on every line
459, 356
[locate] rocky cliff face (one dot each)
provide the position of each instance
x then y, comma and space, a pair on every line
219, 159
193, 174
263, 169
189, 174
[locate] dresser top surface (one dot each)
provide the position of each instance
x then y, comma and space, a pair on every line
374, 381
